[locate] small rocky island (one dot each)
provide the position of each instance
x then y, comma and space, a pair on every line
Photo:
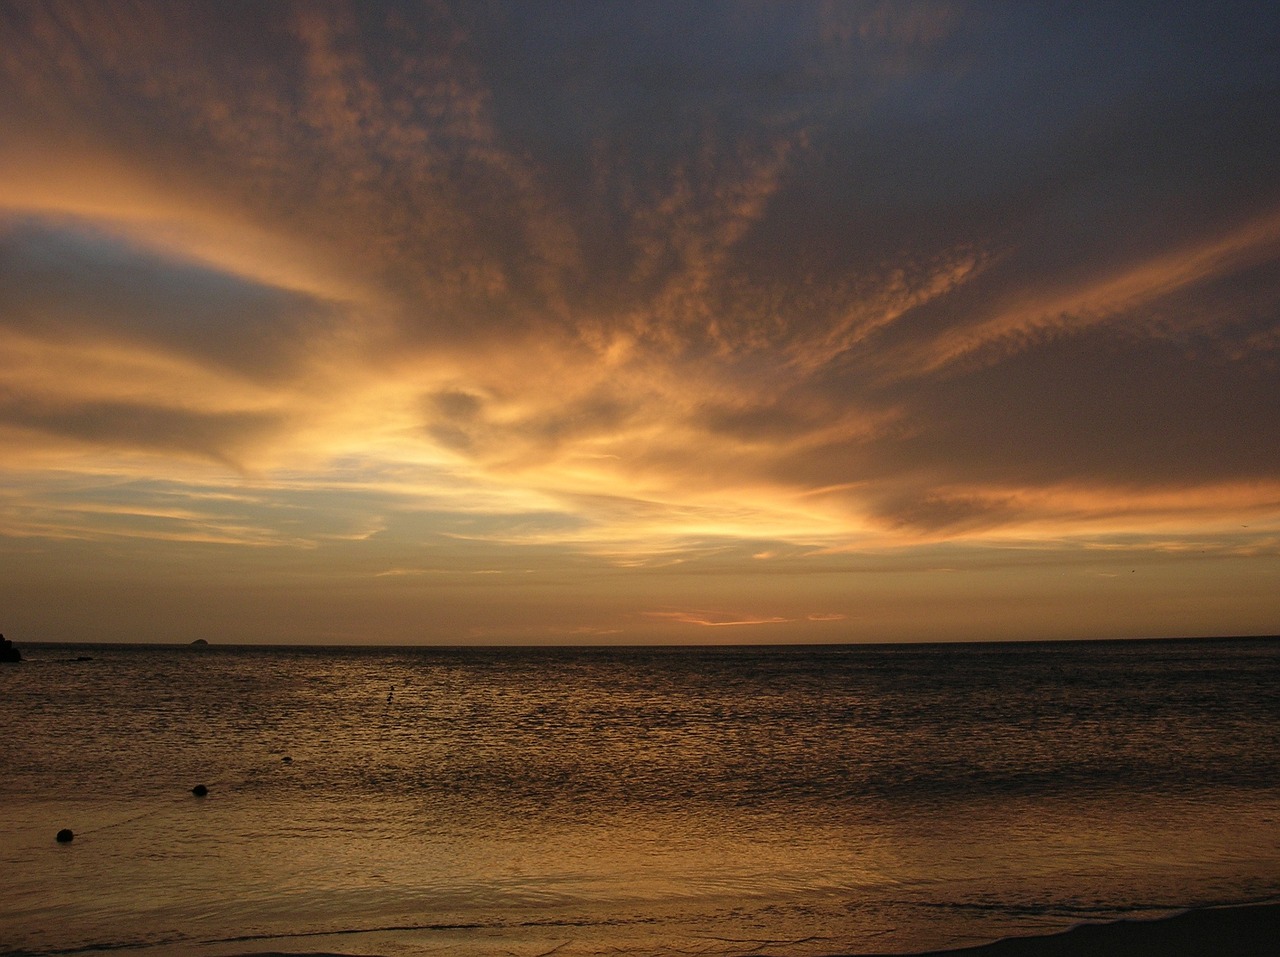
8, 652
199, 643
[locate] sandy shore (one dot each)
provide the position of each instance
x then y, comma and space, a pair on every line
1251, 930
1246, 931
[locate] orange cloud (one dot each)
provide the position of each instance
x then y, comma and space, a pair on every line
713, 620
1106, 298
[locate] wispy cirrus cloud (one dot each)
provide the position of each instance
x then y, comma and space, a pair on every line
1128, 297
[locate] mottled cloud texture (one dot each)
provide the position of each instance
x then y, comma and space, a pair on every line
430, 321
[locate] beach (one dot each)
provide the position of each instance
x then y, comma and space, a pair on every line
1245, 931
1242, 931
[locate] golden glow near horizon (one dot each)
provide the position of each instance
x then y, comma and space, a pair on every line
394, 323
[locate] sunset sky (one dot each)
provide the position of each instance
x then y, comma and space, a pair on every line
399, 322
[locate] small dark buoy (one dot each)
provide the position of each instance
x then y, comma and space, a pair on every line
287, 760
199, 790
64, 836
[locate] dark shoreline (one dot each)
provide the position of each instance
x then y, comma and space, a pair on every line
1248, 930
1242, 930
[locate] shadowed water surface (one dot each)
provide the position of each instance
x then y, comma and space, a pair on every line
807, 801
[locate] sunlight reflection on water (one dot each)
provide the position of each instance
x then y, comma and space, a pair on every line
905, 797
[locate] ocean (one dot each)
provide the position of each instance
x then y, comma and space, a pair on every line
630, 801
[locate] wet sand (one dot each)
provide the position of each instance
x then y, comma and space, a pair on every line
1245, 931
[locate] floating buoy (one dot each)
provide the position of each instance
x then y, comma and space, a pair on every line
286, 760
64, 836
199, 790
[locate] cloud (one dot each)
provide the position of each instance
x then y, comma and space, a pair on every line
709, 619
69, 279
714, 620
1106, 299
643, 285
137, 426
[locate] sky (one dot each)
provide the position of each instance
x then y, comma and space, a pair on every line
606, 322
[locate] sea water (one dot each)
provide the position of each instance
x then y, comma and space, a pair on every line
788, 801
